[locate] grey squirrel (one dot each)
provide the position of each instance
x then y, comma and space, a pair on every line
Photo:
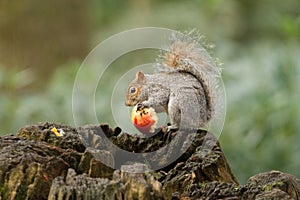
183, 86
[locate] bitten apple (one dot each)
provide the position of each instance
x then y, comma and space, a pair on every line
144, 119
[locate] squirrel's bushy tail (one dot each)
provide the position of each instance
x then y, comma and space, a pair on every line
186, 53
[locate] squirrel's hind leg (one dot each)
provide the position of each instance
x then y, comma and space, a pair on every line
185, 110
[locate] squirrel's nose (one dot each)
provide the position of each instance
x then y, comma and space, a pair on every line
128, 103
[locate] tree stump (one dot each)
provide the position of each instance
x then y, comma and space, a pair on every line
37, 164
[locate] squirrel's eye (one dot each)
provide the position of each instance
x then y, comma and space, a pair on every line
132, 90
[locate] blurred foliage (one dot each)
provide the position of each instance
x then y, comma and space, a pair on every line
42, 46
262, 125
43, 35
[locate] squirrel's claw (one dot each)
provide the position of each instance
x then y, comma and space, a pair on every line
140, 107
172, 129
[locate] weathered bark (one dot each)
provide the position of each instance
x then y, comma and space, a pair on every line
83, 187
207, 163
273, 185
27, 168
36, 160
123, 186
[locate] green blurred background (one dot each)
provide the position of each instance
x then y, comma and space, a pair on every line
42, 44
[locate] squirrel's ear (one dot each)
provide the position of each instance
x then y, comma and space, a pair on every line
140, 77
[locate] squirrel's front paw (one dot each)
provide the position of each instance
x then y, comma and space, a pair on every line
140, 107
